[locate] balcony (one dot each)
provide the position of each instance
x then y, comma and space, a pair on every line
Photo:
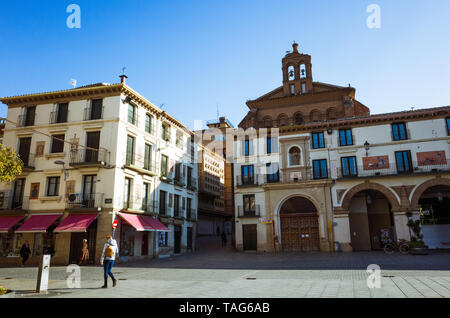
89, 157
24, 120
93, 113
191, 214
179, 180
9, 202
148, 168
166, 177
416, 169
77, 201
150, 207
253, 213
246, 181
178, 213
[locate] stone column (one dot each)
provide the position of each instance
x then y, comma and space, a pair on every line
341, 230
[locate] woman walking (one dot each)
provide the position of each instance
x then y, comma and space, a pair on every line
84, 253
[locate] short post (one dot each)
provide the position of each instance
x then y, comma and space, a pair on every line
43, 274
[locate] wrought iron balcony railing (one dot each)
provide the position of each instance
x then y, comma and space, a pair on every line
90, 156
254, 211
84, 200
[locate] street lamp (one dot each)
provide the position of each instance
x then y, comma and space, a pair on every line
62, 163
367, 147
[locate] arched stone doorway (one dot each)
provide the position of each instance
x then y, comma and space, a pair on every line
299, 224
371, 220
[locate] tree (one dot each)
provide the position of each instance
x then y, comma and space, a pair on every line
10, 164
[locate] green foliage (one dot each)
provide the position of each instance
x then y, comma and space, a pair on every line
417, 239
10, 164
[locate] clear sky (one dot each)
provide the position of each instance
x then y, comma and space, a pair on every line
194, 55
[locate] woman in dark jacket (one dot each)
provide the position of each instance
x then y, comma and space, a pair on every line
25, 252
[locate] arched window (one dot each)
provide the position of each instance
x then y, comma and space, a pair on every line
291, 73
315, 116
294, 156
298, 119
267, 122
302, 71
283, 120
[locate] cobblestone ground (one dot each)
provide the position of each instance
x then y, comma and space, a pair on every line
221, 272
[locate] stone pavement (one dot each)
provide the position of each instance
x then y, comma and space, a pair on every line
223, 273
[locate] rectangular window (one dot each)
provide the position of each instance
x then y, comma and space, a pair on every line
320, 169
63, 110
176, 205
96, 109
249, 204
345, 137
57, 144
248, 147
162, 202
178, 171
292, 89
399, 131
272, 145
130, 151
403, 160
163, 239
303, 88
132, 114
52, 186
349, 168
146, 197
189, 207
164, 166
148, 157
179, 141
247, 174
148, 124
127, 193
273, 172
30, 113
165, 132
24, 150
318, 140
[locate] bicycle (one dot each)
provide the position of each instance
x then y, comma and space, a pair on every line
403, 247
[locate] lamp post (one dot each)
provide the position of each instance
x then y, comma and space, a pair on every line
367, 147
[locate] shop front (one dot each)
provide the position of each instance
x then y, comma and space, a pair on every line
138, 235
9, 241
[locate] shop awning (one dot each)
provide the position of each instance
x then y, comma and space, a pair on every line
7, 222
157, 226
144, 223
38, 223
76, 223
136, 222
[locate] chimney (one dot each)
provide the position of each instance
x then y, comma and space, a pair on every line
123, 79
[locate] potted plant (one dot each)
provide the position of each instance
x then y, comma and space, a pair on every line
417, 245
5, 293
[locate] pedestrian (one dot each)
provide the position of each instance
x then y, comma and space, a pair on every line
109, 254
224, 239
84, 253
25, 252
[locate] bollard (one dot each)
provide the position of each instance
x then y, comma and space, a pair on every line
43, 274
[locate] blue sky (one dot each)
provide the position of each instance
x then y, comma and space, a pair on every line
195, 55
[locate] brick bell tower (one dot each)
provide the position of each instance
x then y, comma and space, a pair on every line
297, 73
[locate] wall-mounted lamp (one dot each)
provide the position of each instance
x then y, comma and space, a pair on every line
62, 163
367, 147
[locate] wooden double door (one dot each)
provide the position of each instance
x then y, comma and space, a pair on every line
300, 232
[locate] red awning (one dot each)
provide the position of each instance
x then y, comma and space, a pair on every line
7, 222
157, 226
144, 223
136, 222
76, 223
38, 223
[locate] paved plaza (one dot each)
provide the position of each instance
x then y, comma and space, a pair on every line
222, 272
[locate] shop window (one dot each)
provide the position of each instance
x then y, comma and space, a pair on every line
126, 240
44, 243
163, 239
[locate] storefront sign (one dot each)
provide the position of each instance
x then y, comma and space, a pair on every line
264, 221
44, 271
108, 201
